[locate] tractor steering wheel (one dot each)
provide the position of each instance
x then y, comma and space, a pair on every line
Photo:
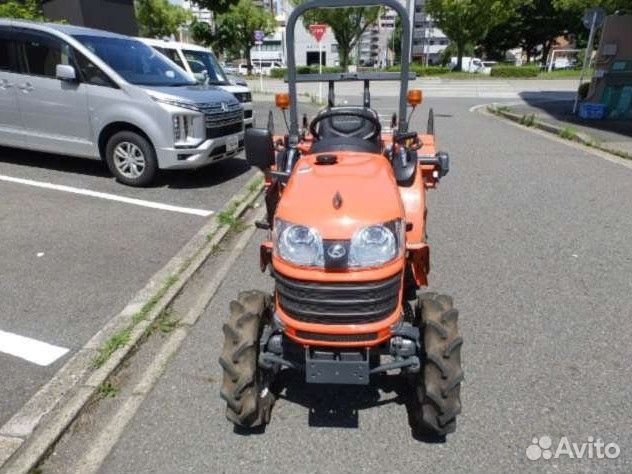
360, 113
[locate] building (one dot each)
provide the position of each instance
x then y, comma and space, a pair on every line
111, 15
273, 48
200, 14
429, 42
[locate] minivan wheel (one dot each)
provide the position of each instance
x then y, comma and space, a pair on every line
131, 158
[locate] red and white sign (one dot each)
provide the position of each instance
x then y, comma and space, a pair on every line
318, 31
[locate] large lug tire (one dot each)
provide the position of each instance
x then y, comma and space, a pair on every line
245, 389
131, 158
437, 387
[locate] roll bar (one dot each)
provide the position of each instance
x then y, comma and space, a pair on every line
291, 59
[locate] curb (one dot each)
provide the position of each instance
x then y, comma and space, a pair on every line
35, 428
578, 137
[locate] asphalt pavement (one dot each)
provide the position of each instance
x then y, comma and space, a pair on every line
76, 246
532, 238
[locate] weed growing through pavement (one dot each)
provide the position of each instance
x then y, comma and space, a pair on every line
122, 337
107, 389
568, 133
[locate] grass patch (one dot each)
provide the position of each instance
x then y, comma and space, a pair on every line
108, 390
122, 337
568, 133
528, 120
165, 323
564, 74
114, 343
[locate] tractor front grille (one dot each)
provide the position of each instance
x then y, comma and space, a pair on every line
339, 302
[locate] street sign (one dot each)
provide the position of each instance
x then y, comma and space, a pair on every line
259, 35
596, 15
318, 31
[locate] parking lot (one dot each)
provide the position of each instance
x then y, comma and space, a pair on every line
76, 247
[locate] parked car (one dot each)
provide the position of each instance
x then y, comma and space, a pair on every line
204, 67
260, 67
473, 65
84, 92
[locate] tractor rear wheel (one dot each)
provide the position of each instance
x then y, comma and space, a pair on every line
436, 402
245, 389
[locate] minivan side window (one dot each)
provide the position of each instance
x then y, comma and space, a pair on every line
40, 54
91, 73
171, 54
7, 62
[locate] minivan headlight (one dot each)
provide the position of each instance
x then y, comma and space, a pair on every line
376, 244
182, 127
298, 244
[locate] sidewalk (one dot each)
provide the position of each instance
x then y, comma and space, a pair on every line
610, 135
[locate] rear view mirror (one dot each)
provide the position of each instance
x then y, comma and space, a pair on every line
65, 72
259, 148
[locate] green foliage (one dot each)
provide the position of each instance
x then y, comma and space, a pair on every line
217, 6
235, 28
568, 133
515, 71
158, 18
347, 25
24, 10
468, 21
451, 50
280, 73
528, 120
421, 70
201, 32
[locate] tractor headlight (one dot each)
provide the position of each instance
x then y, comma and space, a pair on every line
298, 244
377, 244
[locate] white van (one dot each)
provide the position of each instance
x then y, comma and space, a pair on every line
83, 92
204, 67
260, 67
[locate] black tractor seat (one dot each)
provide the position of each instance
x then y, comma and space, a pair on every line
346, 132
334, 144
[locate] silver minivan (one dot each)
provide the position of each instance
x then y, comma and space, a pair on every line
84, 92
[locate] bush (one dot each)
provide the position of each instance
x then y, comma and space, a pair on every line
515, 71
280, 73
422, 70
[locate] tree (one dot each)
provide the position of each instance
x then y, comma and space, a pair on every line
347, 25
216, 6
235, 28
531, 25
468, 21
158, 18
611, 6
25, 10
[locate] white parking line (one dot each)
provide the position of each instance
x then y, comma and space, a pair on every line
38, 352
110, 197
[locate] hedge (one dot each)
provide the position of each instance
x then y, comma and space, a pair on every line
280, 73
422, 70
515, 71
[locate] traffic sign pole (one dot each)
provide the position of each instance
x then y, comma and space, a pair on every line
318, 31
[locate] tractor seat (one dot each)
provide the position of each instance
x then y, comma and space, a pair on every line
333, 144
345, 132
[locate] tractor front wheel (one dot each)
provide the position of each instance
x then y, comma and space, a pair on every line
436, 401
245, 389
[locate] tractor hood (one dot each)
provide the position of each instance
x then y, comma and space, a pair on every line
338, 199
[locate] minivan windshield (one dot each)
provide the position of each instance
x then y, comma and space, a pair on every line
205, 62
136, 62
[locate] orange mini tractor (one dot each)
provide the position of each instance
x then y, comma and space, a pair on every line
346, 246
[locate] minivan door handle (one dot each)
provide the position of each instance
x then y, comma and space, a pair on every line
28, 87
4, 84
